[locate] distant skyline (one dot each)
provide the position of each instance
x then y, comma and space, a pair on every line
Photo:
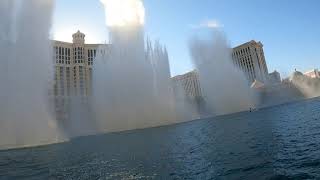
288, 29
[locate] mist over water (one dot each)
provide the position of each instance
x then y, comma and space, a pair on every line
131, 86
26, 69
225, 88
309, 87
131, 83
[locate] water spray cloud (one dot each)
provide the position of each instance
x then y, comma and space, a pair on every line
124, 12
25, 74
219, 77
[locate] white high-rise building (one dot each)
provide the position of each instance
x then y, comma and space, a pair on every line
73, 66
249, 57
73, 71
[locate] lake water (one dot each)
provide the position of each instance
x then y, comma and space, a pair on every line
281, 142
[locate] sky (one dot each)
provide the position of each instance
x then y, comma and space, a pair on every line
288, 29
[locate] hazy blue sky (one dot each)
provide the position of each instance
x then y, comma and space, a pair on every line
289, 29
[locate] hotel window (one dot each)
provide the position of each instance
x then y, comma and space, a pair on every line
55, 89
90, 73
68, 80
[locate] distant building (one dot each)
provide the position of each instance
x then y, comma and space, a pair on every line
73, 70
249, 57
187, 90
274, 78
189, 83
314, 73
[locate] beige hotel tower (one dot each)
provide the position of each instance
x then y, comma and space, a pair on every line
73, 71
249, 57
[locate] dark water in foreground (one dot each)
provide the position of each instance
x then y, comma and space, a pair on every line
281, 142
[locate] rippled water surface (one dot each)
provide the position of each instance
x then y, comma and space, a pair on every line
282, 142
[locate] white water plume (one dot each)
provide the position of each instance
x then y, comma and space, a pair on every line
124, 12
26, 68
225, 88
131, 83
309, 87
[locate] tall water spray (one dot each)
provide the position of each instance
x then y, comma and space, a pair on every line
26, 68
309, 87
225, 88
131, 82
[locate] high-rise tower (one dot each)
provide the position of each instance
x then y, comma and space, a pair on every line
249, 57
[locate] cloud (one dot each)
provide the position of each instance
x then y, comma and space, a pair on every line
212, 24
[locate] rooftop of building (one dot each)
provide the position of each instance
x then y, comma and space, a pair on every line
78, 34
182, 76
252, 42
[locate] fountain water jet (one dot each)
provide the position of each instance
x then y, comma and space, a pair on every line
131, 83
25, 72
309, 87
225, 88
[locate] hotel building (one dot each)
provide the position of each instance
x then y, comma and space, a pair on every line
73, 71
188, 82
249, 57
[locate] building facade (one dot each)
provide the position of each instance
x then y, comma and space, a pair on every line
189, 83
249, 57
73, 71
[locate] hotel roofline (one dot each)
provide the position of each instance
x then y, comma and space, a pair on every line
252, 42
